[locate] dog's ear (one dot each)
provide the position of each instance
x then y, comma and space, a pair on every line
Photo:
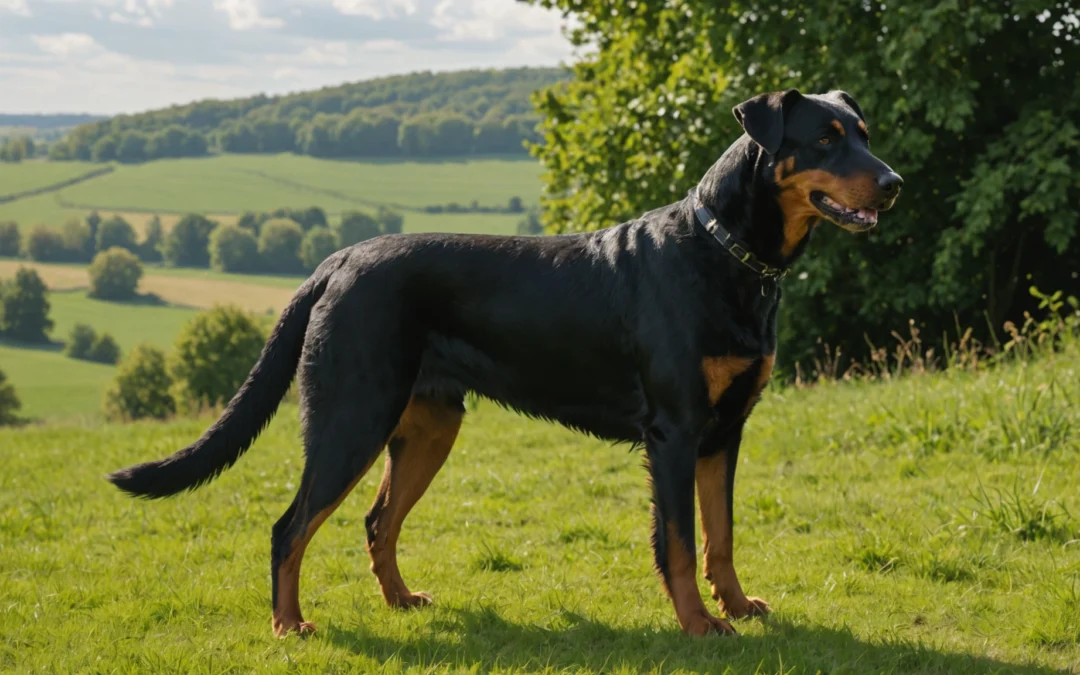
849, 102
762, 117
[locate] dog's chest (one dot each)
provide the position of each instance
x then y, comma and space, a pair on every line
734, 383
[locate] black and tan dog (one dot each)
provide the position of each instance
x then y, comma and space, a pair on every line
660, 331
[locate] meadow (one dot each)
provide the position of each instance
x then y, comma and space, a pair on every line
926, 524
226, 185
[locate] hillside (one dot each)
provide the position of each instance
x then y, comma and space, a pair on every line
417, 115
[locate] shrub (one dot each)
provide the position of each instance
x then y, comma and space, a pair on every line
390, 222
80, 342
233, 249
104, 350
78, 242
317, 246
530, 224
9, 402
116, 232
141, 388
44, 245
115, 274
187, 242
10, 240
24, 309
214, 353
150, 246
355, 227
279, 246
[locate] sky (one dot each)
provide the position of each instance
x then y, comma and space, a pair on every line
113, 56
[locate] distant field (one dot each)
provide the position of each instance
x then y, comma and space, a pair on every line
226, 185
30, 175
187, 288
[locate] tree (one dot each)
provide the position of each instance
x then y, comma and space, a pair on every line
115, 274
970, 103
515, 205
214, 353
355, 227
93, 221
317, 246
233, 249
279, 246
25, 309
78, 243
44, 245
116, 232
9, 403
80, 342
10, 240
132, 147
530, 224
104, 350
187, 242
142, 388
317, 136
17, 149
390, 222
104, 149
150, 246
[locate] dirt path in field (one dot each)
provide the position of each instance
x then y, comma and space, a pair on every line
180, 291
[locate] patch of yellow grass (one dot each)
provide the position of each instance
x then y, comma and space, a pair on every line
175, 290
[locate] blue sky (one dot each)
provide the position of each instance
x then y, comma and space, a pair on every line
110, 56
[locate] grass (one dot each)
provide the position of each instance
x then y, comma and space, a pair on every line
226, 185
879, 549
18, 178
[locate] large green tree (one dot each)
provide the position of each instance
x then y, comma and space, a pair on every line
24, 307
976, 104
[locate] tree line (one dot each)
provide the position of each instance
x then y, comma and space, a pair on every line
282, 241
417, 115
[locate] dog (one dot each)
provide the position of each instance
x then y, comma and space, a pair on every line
659, 332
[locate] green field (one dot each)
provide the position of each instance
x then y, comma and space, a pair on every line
231, 184
920, 525
30, 175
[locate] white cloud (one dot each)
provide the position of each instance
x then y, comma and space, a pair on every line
66, 44
490, 20
244, 15
144, 21
376, 9
19, 7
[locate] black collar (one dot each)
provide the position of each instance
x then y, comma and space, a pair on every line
733, 245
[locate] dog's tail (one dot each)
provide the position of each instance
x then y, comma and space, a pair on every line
247, 414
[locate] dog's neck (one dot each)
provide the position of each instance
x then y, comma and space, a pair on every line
738, 193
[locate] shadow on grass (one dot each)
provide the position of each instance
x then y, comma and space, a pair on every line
47, 346
479, 640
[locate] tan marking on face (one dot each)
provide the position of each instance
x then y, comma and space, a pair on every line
838, 125
785, 168
862, 126
720, 372
800, 214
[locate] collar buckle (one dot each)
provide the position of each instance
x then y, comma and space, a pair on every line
733, 246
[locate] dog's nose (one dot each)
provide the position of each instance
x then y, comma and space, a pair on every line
890, 183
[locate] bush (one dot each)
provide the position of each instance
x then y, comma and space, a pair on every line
355, 227
24, 309
81, 341
9, 402
104, 350
44, 245
530, 224
214, 353
187, 242
233, 249
317, 246
78, 242
115, 274
279, 246
10, 240
141, 388
390, 222
150, 246
116, 232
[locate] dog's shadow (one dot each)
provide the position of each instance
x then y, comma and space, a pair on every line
482, 641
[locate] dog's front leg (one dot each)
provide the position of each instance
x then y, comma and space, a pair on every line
672, 456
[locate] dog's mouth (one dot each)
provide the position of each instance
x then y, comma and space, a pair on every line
855, 220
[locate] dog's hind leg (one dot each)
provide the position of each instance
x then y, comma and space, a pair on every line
416, 451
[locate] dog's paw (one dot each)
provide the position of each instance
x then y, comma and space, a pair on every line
703, 623
283, 627
412, 601
745, 607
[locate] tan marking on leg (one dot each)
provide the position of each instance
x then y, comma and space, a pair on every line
681, 586
426, 432
720, 371
287, 616
711, 478
764, 375
839, 126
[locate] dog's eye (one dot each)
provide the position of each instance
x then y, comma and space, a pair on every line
824, 140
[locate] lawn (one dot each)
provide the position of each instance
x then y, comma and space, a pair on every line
23, 176
919, 525
226, 185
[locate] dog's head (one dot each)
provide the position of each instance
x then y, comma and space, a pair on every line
818, 155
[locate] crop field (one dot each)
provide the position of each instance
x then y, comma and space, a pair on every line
927, 524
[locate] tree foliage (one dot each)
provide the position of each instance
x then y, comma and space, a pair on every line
233, 249
976, 104
187, 243
10, 240
114, 274
115, 232
317, 245
9, 402
24, 308
279, 246
142, 388
214, 353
